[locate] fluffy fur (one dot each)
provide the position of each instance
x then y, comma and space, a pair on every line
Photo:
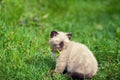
75, 58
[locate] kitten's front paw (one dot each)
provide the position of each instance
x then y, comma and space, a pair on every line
58, 71
54, 72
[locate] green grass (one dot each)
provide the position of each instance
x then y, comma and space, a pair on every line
25, 25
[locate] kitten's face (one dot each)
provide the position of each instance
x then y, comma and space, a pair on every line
59, 39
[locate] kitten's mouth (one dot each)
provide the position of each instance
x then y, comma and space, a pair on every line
54, 49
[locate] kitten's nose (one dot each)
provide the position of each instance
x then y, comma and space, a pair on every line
53, 45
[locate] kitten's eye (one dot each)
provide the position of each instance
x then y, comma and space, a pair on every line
61, 44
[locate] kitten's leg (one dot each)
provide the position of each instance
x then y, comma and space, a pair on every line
60, 65
61, 62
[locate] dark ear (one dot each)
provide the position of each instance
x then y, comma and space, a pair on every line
69, 35
53, 33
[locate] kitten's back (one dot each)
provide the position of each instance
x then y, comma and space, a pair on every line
81, 59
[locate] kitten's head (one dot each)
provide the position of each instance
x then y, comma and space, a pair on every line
58, 40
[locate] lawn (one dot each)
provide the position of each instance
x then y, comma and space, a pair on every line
25, 26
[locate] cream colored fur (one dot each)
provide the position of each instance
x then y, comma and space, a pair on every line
75, 57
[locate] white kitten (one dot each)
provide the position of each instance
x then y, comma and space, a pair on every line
76, 58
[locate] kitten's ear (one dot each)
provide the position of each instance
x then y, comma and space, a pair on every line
69, 35
53, 33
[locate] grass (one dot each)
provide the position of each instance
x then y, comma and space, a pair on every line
25, 25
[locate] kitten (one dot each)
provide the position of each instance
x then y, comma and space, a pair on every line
75, 58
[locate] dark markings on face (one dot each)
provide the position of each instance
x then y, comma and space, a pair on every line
61, 44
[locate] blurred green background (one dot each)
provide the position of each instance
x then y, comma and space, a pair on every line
25, 26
